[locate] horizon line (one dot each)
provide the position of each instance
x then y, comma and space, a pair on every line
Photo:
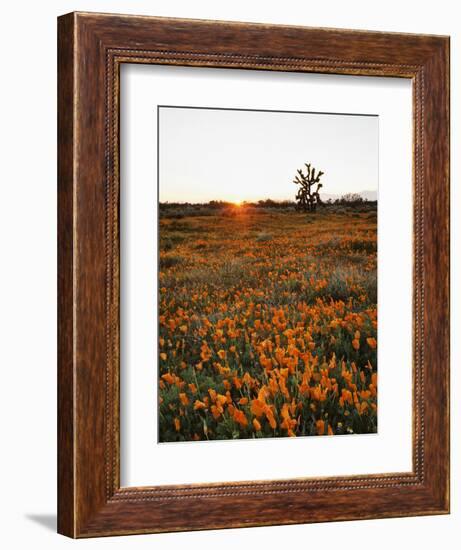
250, 202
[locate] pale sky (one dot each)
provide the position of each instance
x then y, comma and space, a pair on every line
234, 155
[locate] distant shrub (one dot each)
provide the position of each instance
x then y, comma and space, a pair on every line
364, 245
166, 244
339, 210
351, 198
331, 244
170, 260
264, 237
176, 238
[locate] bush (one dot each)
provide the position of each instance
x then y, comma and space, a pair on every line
170, 260
264, 237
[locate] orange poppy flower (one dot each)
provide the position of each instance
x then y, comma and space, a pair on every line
320, 427
221, 399
257, 407
372, 343
184, 399
216, 411
240, 418
169, 378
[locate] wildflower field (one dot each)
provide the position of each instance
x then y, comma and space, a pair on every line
267, 323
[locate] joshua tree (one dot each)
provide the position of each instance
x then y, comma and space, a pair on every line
307, 198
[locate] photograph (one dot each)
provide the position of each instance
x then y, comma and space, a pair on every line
267, 273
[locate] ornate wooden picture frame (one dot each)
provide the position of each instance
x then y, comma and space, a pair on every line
92, 48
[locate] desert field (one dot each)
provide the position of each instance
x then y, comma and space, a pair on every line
267, 323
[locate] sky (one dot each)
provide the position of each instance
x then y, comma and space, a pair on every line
236, 155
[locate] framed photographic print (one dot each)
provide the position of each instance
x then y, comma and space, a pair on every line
253, 275
266, 304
